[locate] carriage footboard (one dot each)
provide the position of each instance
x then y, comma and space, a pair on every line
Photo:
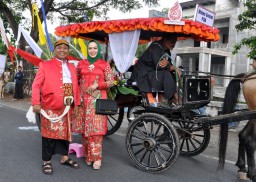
227, 118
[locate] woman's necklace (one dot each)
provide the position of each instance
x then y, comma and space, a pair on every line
91, 67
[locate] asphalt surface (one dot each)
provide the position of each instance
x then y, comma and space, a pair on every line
20, 153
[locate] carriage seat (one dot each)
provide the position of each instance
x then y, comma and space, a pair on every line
134, 85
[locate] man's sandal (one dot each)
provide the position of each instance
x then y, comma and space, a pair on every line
69, 162
47, 168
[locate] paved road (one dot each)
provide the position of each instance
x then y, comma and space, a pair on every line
20, 153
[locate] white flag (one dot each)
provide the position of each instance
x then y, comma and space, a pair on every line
37, 50
2, 63
2, 30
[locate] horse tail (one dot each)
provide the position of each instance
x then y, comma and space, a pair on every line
229, 104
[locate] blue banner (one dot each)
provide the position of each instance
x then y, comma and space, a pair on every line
45, 27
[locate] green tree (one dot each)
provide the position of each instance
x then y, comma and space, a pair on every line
141, 49
68, 11
247, 21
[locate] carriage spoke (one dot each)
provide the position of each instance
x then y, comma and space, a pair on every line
111, 116
149, 158
151, 129
156, 158
197, 141
141, 132
188, 149
136, 136
161, 155
165, 149
158, 128
192, 143
180, 124
165, 141
192, 125
110, 123
145, 127
143, 156
183, 125
186, 125
198, 135
182, 144
162, 136
136, 144
139, 151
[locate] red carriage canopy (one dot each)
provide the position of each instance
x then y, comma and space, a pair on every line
150, 27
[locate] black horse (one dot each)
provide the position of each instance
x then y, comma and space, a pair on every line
247, 137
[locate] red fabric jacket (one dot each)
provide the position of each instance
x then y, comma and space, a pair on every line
47, 85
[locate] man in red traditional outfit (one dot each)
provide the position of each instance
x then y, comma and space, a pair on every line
52, 90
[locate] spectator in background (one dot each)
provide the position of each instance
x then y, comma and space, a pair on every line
18, 94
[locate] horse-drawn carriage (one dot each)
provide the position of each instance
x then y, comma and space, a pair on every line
157, 136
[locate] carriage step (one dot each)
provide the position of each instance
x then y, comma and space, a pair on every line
76, 148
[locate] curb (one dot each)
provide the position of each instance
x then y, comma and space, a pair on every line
22, 104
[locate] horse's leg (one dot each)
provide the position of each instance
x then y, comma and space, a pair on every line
242, 172
250, 149
250, 146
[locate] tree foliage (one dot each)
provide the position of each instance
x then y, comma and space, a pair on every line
141, 49
247, 21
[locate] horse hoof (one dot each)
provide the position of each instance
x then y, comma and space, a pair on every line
243, 176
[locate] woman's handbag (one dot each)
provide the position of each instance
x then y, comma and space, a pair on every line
106, 107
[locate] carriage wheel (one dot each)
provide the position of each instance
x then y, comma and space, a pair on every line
115, 121
195, 140
152, 143
131, 115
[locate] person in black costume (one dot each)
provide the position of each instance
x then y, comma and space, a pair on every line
153, 72
18, 84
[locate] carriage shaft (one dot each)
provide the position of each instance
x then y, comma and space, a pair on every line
226, 118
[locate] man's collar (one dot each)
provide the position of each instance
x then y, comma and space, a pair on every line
62, 60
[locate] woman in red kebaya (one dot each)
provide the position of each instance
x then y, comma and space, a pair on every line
95, 77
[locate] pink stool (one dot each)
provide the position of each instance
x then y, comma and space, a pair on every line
77, 148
